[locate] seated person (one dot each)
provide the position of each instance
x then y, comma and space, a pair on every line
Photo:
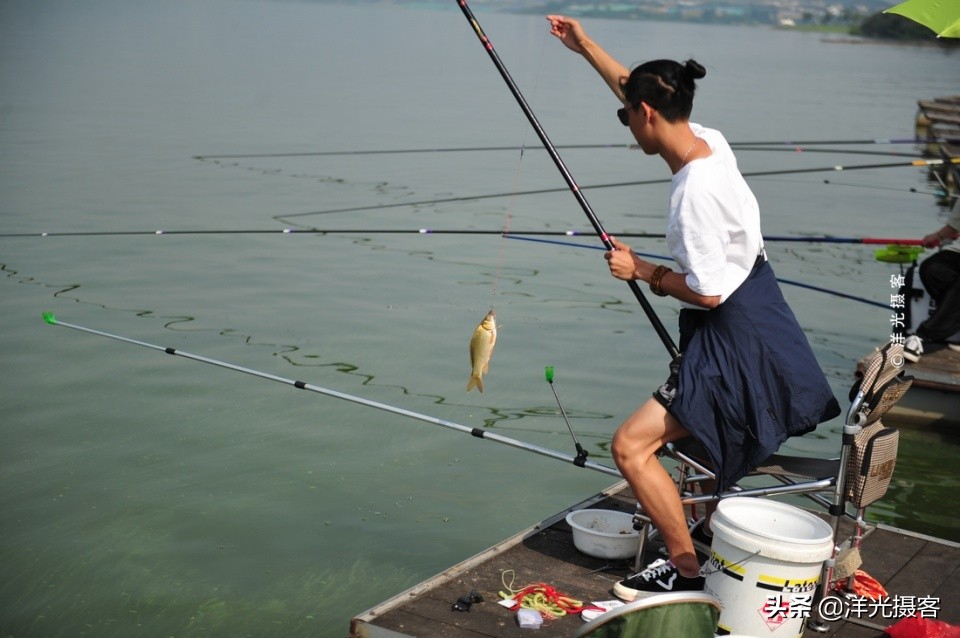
940, 274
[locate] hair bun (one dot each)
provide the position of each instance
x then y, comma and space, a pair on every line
694, 70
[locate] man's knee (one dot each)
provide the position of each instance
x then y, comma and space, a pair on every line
626, 448
629, 448
620, 446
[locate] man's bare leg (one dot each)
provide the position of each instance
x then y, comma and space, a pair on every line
634, 451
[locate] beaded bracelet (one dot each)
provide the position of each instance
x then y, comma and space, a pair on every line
656, 278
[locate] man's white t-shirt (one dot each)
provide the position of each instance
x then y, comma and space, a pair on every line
713, 228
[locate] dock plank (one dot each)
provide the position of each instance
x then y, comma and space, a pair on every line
930, 572
938, 369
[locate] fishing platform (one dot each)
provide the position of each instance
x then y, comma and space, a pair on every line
938, 122
463, 600
905, 563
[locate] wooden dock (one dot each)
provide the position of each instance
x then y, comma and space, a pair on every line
906, 564
934, 397
938, 121
943, 112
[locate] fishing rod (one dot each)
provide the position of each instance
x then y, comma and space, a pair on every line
440, 231
777, 238
837, 151
578, 192
480, 433
534, 236
854, 142
480, 149
799, 284
939, 193
403, 151
571, 183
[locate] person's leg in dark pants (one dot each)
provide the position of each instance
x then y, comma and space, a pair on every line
940, 274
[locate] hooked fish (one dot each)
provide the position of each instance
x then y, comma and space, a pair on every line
481, 349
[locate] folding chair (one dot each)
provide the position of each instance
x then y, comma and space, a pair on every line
859, 476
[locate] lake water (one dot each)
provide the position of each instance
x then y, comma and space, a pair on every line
146, 495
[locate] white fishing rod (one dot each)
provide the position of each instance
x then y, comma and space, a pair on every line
479, 433
825, 239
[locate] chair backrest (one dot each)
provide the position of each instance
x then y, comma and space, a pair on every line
873, 453
687, 614
883, 384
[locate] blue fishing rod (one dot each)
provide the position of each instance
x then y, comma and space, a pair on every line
571, 183
798, 284
480, 433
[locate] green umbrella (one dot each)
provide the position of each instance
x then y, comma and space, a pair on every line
942, 16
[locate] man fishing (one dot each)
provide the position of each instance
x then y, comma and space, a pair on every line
747, 378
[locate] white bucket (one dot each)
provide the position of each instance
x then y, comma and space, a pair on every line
604, 533
765, 566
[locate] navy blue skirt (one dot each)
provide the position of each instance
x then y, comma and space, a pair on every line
748, 379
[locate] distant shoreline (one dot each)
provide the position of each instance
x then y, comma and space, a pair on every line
756, 15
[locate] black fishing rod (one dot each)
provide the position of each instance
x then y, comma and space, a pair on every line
825, 239
794, 145
836, 168
825, 151
938, 193
480, 433
571, 183
403, 151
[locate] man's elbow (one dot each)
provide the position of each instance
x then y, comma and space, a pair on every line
710, 302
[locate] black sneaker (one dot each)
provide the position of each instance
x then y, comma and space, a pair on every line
660, 577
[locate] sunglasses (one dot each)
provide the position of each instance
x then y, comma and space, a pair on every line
623, 116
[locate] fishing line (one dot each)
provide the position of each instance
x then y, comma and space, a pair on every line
516, 178
506, 226
500, 251
577, 190
481, 433
571, 183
